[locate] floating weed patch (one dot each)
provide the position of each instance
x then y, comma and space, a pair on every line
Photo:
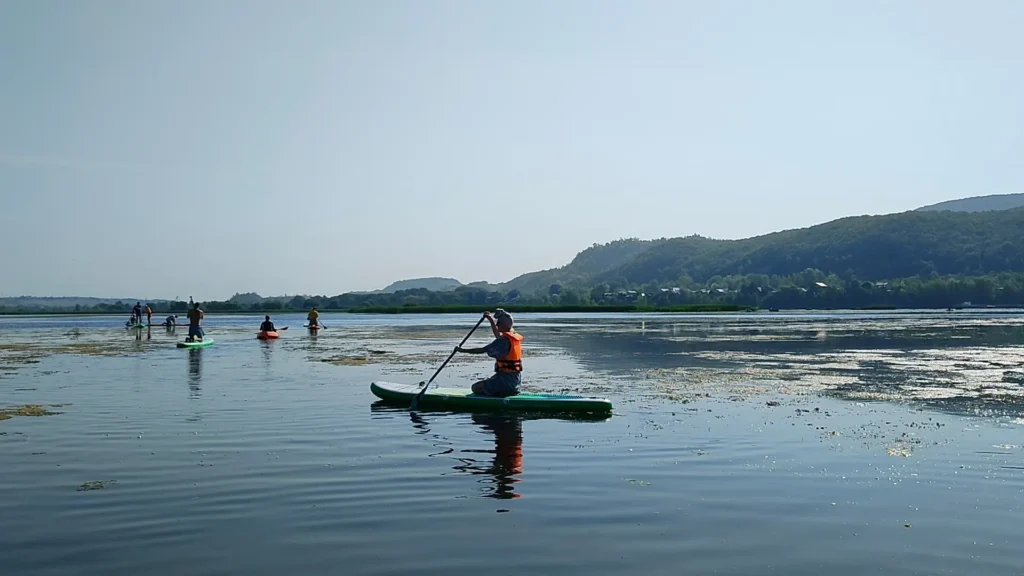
30, 410
95, 485
364, 357
901, 451
347, 360
14, 355
26, 410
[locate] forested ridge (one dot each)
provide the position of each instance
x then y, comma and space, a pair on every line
918, 259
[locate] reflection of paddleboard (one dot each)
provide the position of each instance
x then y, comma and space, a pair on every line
464, 399
203, 343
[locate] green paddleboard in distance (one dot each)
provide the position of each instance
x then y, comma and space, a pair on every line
464, 399
205, 342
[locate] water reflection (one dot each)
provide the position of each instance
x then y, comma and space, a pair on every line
507, 461
623, 346
266, 347
960, 366
195, 367
501, 470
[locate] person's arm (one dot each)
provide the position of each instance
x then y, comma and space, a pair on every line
494, 326
499, 347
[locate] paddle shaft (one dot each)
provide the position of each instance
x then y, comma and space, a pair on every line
416, 400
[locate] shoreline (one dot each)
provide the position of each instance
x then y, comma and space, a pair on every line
540, 309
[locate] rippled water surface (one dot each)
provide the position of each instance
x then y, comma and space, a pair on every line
740, 444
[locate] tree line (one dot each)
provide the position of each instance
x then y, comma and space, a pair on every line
809, 289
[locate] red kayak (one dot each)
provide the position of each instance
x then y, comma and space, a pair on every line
267, 335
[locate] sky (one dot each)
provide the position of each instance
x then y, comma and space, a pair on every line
163, 149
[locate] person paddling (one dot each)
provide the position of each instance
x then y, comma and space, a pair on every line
137, 312
506, 349
195, 318
171, 320
149, 315
313, 317
267, 325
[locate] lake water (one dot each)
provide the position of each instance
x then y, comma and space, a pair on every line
798, 444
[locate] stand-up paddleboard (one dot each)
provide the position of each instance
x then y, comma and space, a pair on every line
265, 335
201, 344
464, 399
313, 327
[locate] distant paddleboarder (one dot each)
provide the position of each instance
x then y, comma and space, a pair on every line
195, 319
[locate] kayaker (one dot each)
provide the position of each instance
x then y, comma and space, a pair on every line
507, 353
313, 317
149, 315
195, 318
267, 325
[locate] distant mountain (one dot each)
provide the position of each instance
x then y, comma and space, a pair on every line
434, 284
866, 247
909, 244
978, 204
593, 261
247, 299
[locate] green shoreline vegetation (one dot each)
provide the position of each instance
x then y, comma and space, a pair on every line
513, 308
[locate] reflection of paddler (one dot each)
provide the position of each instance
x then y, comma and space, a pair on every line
195, 367
508, 451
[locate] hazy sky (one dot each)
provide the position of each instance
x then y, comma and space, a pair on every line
162, 149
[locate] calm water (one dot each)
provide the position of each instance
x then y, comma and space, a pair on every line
789, 444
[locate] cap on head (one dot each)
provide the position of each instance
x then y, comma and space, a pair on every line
502, 317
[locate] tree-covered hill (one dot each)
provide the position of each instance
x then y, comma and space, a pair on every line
979, 203
866, 247
586, 266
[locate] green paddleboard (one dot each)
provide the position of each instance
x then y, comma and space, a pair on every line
203, 344
464, 399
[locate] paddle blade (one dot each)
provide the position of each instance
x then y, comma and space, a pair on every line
416, 399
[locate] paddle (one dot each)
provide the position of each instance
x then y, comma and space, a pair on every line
416, 400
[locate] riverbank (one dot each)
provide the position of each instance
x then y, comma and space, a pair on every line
454, 309
526, 308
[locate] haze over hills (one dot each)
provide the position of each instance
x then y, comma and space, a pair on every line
979, 203
969, 237
436, 284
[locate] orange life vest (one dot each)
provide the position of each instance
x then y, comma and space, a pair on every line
512, 362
